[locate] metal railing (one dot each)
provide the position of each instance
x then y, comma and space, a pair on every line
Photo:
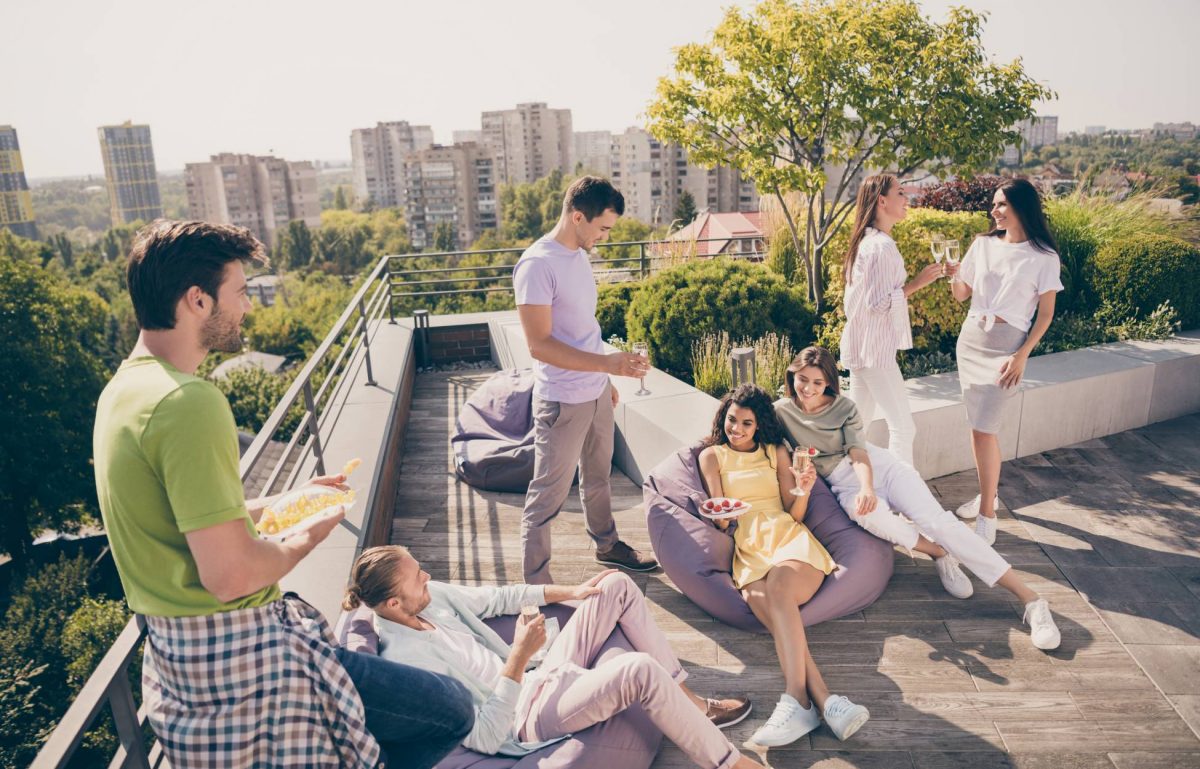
647, 257
318, 383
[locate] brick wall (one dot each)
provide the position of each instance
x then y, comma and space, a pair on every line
460, 343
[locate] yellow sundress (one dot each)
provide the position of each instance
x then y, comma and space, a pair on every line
767, 535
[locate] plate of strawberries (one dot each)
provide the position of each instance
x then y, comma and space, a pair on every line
719, 508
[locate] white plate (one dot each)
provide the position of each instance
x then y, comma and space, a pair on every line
719, 516
309, 522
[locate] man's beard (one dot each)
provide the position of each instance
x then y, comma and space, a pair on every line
220, 333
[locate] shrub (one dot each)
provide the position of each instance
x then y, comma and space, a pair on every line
913, 365
772, 356
1138, 273
961, 195
23, 719
936, 316
612, 301
781, 255
679, 305
253, 394
1082, 223
1071, 331
92, 629
711, 370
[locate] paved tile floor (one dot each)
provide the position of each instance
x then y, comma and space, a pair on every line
1108, 531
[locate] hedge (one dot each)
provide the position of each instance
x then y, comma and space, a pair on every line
1140, 272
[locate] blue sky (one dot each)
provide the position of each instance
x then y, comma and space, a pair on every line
295, 77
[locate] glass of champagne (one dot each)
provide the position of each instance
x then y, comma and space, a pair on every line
642, 350
800, 457
951, 252
937, 247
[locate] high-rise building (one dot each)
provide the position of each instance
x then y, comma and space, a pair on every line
653, 175
529, 142
16, 204
130, 173
593, 150
1094, 130
467, 135
377, 155
1040, 131
453, 185
262, 194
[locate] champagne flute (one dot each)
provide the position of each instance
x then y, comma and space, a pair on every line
800, 456
642, 350
951, 247
937, 247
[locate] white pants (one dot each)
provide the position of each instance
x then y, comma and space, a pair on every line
884, 387
898, 487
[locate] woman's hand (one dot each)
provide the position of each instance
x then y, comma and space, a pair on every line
865, 501
806, 479
1013, 369
722, 523
930, 273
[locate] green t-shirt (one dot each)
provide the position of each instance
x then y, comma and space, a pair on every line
166, 455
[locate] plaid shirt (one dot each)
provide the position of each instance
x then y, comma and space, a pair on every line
253, 687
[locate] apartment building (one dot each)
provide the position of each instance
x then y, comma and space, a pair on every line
261, 193
453, 184
593, 150
129, 172
377, 159
1035, 132
16, 204
652, 176
529, 142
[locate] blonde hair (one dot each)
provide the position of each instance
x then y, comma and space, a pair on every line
373, 576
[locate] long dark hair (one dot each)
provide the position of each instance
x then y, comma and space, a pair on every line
768, 432
822, 359
873, 187
1024, 201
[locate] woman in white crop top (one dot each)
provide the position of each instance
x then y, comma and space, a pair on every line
876, 304
1010, 275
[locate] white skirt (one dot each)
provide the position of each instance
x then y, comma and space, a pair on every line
980, 355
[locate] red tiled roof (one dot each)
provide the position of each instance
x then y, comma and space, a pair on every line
724, 227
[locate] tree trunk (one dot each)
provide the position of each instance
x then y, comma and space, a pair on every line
818, 281
801, 252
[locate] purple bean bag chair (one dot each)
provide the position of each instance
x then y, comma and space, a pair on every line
493, 438
628, 741
698, 556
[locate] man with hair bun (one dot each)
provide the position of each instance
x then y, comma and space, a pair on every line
573, 399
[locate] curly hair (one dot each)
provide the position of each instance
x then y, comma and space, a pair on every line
769, 431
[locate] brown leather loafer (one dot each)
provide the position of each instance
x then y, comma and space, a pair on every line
726, 713
625, 557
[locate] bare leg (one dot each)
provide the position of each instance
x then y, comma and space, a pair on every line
986, 447
1013, 584
928, 547
776, 601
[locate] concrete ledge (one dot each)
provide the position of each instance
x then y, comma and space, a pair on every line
368, 422
1065, 398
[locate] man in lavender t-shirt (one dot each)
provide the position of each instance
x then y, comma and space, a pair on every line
573, 399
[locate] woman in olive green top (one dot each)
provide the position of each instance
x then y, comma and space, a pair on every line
870, 482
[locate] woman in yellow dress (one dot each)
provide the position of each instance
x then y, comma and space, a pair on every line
777, 563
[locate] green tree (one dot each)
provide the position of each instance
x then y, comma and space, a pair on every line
296, 247
52, 340
444, 237
528, 211
685, 211
790, 93
339, 199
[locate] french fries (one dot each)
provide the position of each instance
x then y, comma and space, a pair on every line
273, 521
351, 466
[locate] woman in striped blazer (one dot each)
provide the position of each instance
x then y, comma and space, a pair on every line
876, 304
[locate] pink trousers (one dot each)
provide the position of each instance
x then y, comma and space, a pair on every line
570, 696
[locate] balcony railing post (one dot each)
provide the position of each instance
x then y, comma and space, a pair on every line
314, 429
742, 360
124, 713
362, 310
642, 260
421, 337
387, 275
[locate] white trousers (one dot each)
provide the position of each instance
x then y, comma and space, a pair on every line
883, 387
899, 488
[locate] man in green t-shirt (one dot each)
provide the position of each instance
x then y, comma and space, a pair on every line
224, 647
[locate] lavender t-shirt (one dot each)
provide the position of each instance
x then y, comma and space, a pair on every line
549, 273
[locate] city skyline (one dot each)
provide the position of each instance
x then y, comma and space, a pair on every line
354, 75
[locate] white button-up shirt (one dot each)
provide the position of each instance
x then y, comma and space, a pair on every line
877, 322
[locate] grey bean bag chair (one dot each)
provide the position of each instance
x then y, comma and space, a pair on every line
628, 741
698, 556
493, 438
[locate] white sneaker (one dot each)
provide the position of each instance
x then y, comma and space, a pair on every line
950, 572
787, 724
1042, 630
970, 508
844, 717
985, 527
